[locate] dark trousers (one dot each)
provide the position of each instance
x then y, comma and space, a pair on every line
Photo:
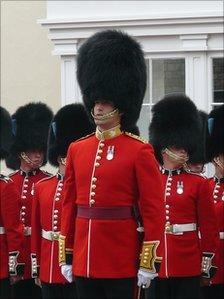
215, 291
88, 288
174, 288
26, 289
5, 288
58, 291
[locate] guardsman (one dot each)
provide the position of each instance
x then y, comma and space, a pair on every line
11, 230
69, 124
174, 132
215, 153
109, 174
30, 125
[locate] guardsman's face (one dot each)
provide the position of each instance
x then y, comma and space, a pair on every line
219, 164
103, 108
177, 156
36, 157
179, 151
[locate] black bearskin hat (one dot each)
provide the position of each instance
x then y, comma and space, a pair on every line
70, 123
111, 67
30, 125
5, 133
199, 155
216, 133
175, 122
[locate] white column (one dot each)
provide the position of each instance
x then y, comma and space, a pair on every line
196, 68
70, 91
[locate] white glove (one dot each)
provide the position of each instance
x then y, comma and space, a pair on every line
145, 277
66, 271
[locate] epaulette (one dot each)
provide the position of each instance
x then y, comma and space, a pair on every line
5, 178
47, 178
136, 137
85, 137
47, 173
14, 172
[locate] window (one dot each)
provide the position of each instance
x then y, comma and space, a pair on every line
164, 76
218, 81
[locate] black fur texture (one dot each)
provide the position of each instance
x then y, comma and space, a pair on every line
216, 137
70, 123
5, 133
31, 126
199, 155
175, 122
111, 67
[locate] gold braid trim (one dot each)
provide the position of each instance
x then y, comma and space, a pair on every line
62, 257
148, 257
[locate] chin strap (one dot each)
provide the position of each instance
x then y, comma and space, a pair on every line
24, 156
105, 116
218, 162
176, 157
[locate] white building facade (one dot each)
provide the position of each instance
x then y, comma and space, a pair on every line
182, 42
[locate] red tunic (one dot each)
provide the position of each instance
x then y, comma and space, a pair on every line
12, 239
24, 183
116, 172
188, 199
46, 215
218, 199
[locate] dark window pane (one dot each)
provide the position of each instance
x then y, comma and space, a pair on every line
218, 80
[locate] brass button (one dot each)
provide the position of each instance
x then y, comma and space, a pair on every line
99, 151
93, 193
94, 179
97, 164
92, 201
93, 186
98, 157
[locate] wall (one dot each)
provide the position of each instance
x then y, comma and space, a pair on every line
29, 72
92, 9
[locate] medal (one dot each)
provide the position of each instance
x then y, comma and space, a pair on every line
110, 152
180, 187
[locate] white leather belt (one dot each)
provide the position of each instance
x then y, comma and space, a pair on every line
27, 231
221, 235
49, 235
2, 230
179, 229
